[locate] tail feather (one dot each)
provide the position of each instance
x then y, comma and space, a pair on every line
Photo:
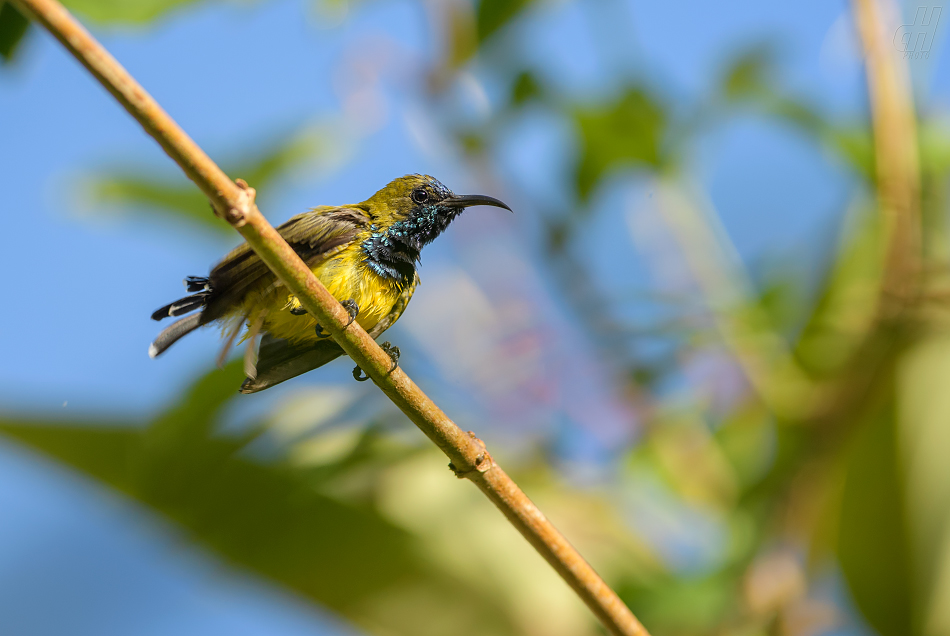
173, 332
199, 287
197, 283
182, 306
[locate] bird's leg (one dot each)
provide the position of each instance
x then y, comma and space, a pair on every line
351, 308
390, 350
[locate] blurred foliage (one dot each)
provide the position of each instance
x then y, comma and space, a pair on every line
324, 515
749, 80
873, 499
140, 192
13, 27
492, 15
733, 515
626, 132
274, 518
124, 11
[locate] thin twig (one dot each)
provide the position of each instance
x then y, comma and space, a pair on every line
234, 202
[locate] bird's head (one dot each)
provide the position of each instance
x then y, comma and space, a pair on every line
417, 208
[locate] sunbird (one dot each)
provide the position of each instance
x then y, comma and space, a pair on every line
366, 256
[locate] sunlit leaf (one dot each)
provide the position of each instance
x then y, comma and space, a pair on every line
923, 447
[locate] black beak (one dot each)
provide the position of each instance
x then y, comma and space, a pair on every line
468, 200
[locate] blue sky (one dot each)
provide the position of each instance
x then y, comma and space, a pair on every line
76, 327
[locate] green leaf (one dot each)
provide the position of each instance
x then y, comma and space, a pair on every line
749, 73
924, 410
140, 193
844, 313
934, 140
661, 605
525, 88
492, 15
626, 132
873, 537
13, 26
272, 516
124, 11
257, 516
749, 80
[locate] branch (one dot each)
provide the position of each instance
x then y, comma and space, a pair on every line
234, 202
895, 151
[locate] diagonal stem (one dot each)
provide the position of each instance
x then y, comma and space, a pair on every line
234, 202
746, 332
895, 151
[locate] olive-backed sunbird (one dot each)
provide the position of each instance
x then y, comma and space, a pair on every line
366, 256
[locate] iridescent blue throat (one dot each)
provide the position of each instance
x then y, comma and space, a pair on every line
393, 253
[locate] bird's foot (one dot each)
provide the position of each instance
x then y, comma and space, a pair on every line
393, 353
351, 308
295, 307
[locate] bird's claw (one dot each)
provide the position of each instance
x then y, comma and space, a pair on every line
393, 353
299, 310
352, 309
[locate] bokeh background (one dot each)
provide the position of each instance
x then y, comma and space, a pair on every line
675, 345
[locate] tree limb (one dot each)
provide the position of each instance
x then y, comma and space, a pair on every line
234, 202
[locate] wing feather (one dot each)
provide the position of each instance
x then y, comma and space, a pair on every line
313, 235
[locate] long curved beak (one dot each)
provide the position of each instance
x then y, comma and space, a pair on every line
468, 200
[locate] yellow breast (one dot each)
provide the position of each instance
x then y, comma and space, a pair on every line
344, 276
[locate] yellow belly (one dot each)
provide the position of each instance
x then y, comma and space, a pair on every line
345, 277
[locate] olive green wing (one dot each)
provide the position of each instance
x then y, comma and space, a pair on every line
280, 360
314, 235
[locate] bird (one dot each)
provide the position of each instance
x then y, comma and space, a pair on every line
365, 254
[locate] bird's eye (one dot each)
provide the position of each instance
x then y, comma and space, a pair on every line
420, 195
